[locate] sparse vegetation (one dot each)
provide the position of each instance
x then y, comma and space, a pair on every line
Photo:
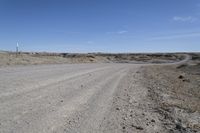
26, 58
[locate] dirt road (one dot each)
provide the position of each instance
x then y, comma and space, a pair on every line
48, 98
84, 98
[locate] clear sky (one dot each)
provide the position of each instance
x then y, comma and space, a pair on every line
100, 25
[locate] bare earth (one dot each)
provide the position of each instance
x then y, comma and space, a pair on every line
99, 97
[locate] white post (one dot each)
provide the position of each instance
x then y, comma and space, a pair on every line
17, 48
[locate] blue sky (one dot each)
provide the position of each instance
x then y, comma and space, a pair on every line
100, 25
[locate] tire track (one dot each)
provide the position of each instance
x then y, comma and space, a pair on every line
22, 110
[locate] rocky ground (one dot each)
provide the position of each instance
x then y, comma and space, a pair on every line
102, 97
28, 58
175, 92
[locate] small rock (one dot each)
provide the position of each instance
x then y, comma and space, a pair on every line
181, 77
61, 101
178, 127
117, 108
153, 120
125, 118
138, 127
186, 80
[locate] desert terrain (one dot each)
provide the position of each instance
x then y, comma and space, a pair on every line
37, 58
99, 93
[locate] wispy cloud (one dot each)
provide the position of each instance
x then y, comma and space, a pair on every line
122, 32
90, 42
175, 36
118, 32
184, 19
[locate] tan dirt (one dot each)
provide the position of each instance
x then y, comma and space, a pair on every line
99, 97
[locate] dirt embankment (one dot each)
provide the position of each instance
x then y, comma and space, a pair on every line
25, 58
10, 59
175, 91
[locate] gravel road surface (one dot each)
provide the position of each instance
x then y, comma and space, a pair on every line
86, 98
48, 98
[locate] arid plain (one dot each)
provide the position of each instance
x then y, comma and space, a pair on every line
99, 92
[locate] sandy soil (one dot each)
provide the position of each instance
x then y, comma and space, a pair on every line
101, 97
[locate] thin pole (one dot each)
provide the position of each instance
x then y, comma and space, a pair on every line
17, 49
